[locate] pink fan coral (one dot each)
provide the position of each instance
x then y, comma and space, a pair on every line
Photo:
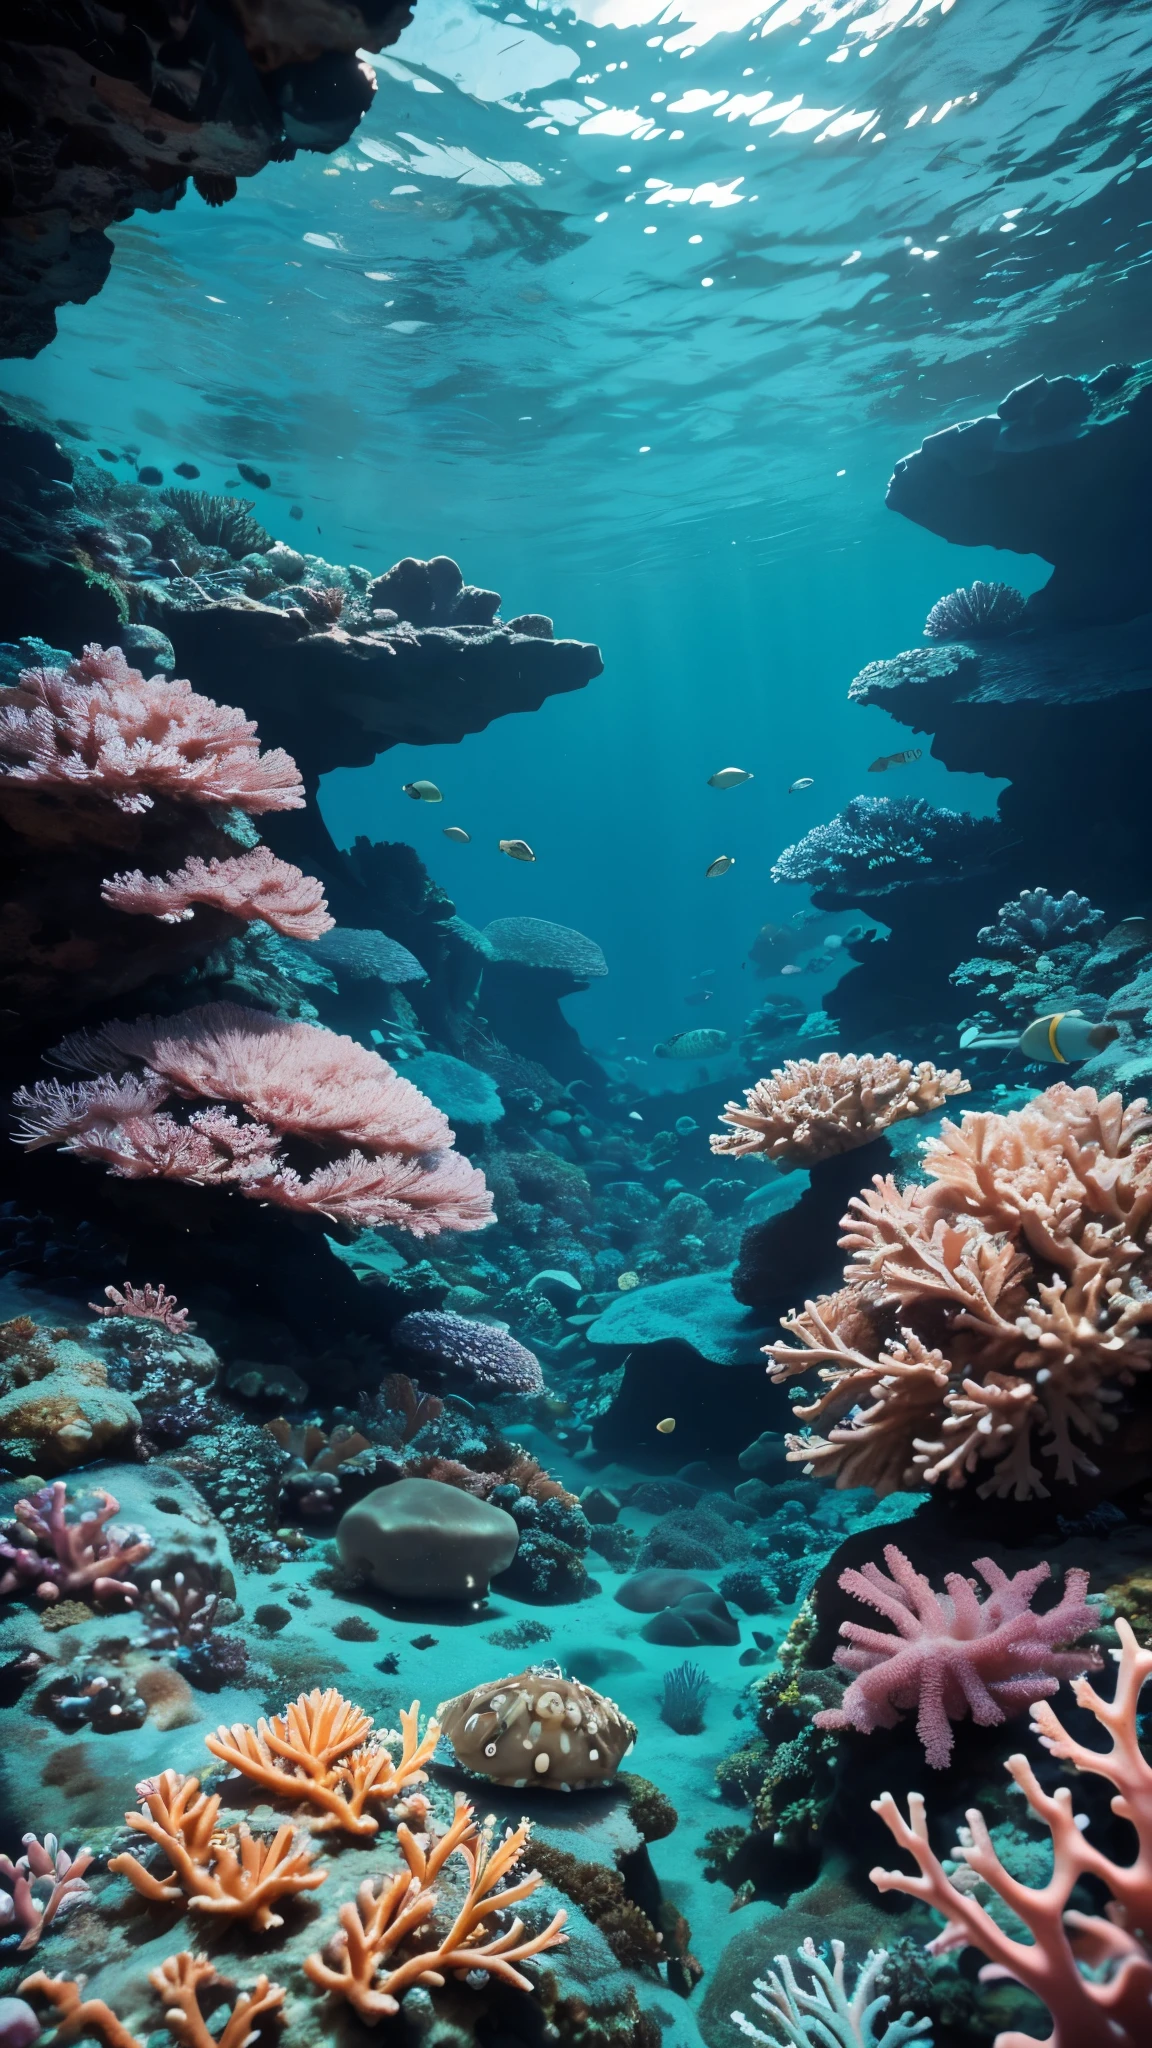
952, 1653
386, 1151
145, 1304
99, 726
250, 885
1093, 1973
64, 1558
991, 1319
808, 1110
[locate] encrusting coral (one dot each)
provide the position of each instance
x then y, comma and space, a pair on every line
993, 1317
46, 1884
954, 1654
224, 1872
394, 1164
66, 1558
827, 2015
177, 1982
322, 1752
1093, 1972
380, 1922
808, 1110
249, 885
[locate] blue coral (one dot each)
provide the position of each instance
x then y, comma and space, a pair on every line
1036, 921
880, 843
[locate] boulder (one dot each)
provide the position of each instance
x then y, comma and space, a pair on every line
422, 1540
650, 1592
698, 1619
61, 1411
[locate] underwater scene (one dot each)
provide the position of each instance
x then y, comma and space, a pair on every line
575, 1023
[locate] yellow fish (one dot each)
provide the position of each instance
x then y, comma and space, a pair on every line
516, 849
719, 866
423, 792
458, 833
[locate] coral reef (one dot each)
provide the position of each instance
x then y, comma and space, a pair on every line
145, 1304
177, 1982
322, 1753
62, 1558
294, 1081
225, 1873
46, 1884
827, 2014
246, 886
979, 611
992, 1317
809, 1110
455, 1346
1035, 921
953, 1654
533, 942
879, 844
358, 1966
1093, 1972
537, 1727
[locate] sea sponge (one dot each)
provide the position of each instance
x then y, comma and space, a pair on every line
537, 1728
808, 1110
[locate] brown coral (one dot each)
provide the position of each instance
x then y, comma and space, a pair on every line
227, 1873
992, 1318
375, 1927
808, 1110
322, 1752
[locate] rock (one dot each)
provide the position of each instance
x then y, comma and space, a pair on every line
649, 1592
767, 1458
466, 1094
600, 1506
698, 1619
61, 1412
276, 1385
19, 2026
422, 1540
699, 1310
147, 647
562, 1289
186, 1535
755, 1494
1059, 470
288, 563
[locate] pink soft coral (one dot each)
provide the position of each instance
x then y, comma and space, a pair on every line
101, 727
145, 1304
954, 1654
393, 1165
1113, 2004
65, 1558
248, 886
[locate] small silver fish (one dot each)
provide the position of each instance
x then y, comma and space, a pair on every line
701, 1044
719, 866
801, 782
729, 778
516, 849
457, 833
423, 792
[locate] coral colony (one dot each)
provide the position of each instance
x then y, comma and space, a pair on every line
772, 1469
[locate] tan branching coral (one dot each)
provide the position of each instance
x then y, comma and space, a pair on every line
322, 1752
809, 1110
362, 1963
177, 1982
227, 1873
1093, 1973
991, 1319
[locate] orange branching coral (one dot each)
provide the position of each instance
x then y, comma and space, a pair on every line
227, 1873
322, 1752
989, 1320
396, 1916
1093, 1973
177, 1983
808, 1110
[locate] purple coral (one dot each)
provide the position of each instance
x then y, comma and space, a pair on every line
982, 611
486, 1353
954, 1654
66, 1558
46, 1883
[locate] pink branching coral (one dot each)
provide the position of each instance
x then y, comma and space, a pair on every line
393, 1162
1112, 2004
46, 1884
100, 727
145, 1304
248, 886
66, 1558
990, 1320
808, 1110
954, 1654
